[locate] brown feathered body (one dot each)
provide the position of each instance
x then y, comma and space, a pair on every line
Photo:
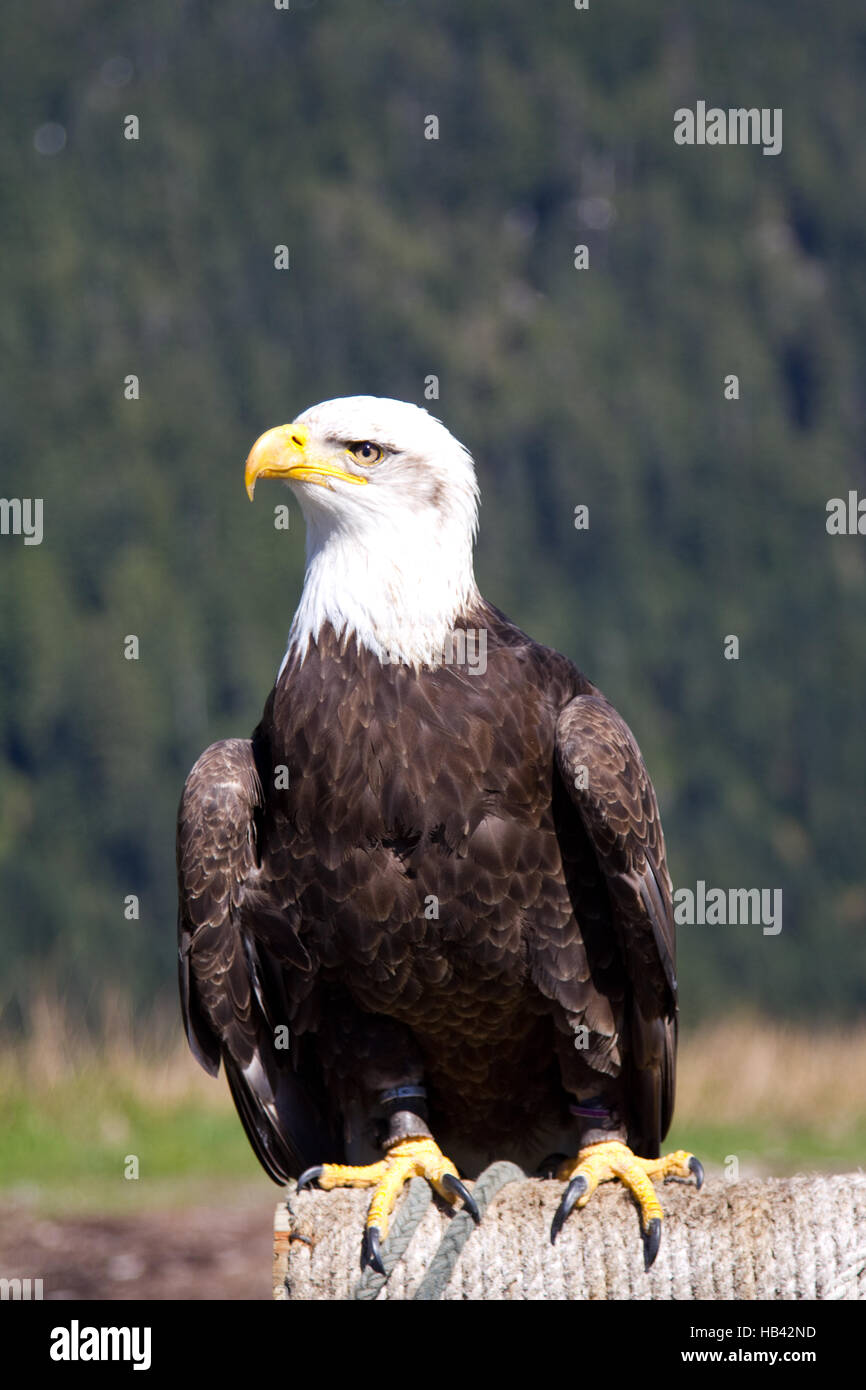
445, 876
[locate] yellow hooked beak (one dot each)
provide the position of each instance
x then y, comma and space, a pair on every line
282, 453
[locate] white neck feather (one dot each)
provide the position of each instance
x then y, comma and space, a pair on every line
397, 588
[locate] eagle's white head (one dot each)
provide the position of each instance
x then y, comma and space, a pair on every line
390, 502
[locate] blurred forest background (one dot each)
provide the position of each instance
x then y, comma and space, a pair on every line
412, 257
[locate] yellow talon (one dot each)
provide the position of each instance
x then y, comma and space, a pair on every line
421, 1158
603, 1162
341, 1175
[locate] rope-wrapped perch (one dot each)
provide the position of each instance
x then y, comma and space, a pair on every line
780, 1238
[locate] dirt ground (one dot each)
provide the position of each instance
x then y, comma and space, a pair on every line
204, 1252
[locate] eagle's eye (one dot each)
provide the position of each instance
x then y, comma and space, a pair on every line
365, 452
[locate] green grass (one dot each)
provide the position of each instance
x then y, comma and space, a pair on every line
770, 1151
38, 1148
72, 1147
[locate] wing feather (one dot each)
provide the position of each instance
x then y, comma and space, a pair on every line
231, 944
607, 781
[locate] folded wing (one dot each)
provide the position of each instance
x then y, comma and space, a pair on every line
604, 774
232, 938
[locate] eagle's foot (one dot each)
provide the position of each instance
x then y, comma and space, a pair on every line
612, 1159
411, 1158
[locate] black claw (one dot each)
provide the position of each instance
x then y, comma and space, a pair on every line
696, 1167
373, 1250
309, 1175
651, 1241
452, 1184
575, 1189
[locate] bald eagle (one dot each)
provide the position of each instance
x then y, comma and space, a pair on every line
425, 915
